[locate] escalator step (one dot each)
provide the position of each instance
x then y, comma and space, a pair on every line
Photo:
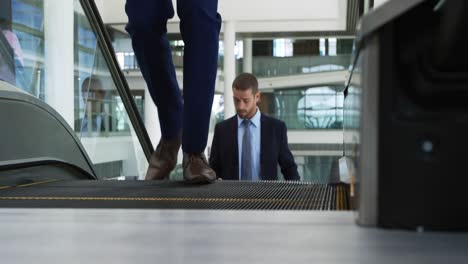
178, 195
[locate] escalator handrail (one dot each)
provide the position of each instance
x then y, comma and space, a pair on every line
373, 21
41, 161
15, 94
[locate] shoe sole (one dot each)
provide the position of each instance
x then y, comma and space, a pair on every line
199, 180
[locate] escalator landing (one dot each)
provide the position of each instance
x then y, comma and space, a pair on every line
213, 236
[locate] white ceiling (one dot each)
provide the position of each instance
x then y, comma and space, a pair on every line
258, 15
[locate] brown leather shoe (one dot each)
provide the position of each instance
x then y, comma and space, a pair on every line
197, 170
164, 159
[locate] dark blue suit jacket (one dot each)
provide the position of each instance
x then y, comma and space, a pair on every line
224, 157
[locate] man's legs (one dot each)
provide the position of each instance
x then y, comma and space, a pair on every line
147, 28
200, 25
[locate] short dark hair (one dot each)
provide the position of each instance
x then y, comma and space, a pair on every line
91, 84
246, 81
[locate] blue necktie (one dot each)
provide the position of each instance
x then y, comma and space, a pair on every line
246, 166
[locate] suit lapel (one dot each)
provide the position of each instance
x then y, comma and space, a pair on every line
264, 128
233, 127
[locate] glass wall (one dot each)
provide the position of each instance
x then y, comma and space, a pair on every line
352, 115
310, 108
21, 24
57, 59
316, 168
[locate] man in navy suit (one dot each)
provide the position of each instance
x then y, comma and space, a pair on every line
249, 145
184, 121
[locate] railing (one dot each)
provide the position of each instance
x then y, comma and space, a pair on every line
277, 66
263, 66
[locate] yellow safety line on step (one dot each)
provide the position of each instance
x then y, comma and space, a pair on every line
150, 199
37, 183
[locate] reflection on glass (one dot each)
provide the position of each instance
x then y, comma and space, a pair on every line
284, 66
70, 74
11, 54
321, 107
308, 108
316, 168
301, 108
352, 115
100, 115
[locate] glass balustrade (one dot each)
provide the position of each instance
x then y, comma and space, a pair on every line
55, 57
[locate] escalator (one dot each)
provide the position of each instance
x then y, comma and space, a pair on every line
44, 174
47, 163
44, 163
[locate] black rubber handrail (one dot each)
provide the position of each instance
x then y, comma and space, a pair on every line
42, 161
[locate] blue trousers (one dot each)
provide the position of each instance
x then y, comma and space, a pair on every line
200, 25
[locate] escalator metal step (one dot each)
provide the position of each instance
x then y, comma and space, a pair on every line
178, 195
